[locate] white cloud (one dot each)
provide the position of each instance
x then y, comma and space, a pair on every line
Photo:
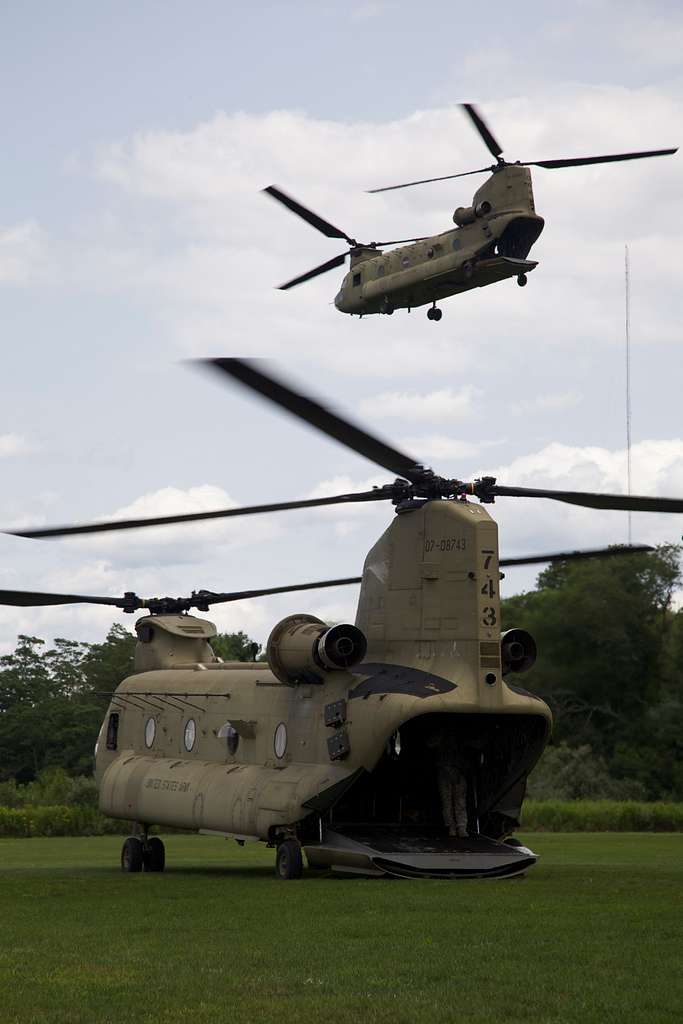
14, 444
546, 403
434, 406
22, 247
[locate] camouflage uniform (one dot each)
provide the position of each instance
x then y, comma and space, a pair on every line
452, 782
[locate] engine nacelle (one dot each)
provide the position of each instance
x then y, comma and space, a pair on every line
303, 648
468, 214
517, 650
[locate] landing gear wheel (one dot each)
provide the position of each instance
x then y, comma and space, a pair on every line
131, 854
386, 307
289, 862
154, 855
521, 280
434, 314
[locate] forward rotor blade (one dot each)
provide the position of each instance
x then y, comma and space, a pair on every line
311, 218
192, 517
426, 181
570, 556
581, 161
36, 599
621, 502
480, 124
244, 595
336, 261
246, 372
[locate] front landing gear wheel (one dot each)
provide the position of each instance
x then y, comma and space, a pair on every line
289, 862
132, 854
434, 314
154, 855
521, 280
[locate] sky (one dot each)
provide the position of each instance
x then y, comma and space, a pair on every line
134, 239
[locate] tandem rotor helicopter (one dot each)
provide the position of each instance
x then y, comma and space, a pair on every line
491, 241
398, 745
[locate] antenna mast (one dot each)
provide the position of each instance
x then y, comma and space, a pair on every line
627, 284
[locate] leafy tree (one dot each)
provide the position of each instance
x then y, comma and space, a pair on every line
236, 647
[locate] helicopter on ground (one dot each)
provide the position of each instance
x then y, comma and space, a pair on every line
397, 745
491, 241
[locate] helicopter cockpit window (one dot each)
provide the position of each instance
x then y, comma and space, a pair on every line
356, 279
113, 730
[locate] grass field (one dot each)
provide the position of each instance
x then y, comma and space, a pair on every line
594, 933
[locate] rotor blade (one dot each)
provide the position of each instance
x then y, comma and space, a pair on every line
312, 218
246, 372
480, 124
336, 261
399, 241
569, 556
192, 517
242, 595
425, 181
622, 502
35, 599
581, 161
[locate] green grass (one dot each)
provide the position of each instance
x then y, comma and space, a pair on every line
592, 934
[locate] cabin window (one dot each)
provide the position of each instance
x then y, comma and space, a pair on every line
381, 270
231, 736
150, 731
190, 734
356, 279
113, 731
430, 253
405, 261
280, 740
457, 244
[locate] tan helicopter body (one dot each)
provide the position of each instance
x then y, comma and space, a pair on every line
303, 749
397, 745
491, 243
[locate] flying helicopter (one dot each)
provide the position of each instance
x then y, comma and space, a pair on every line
397, 745
491, 241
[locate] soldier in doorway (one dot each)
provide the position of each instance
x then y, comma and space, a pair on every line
451, 772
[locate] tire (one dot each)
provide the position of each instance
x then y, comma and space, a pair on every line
155, 855
430, 313
521, 280
131, 855
289, 862
438, 313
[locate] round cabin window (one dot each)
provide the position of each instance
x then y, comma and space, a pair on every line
150, 731
381, 270
457, 244
430, 253
190, 734
405, 261
280, 740
231, 736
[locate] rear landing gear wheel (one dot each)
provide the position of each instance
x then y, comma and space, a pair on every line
289, 862
434, 314
132, 854
521, 280
154, 855
386, 307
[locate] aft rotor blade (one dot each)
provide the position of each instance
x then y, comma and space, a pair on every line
243, 595
425, 181
581, 161
311, 218
570, 556
36, 598
485, 132
336, 261
193, 517
588, 499
247, 372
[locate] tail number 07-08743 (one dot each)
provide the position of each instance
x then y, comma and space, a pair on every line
445, 544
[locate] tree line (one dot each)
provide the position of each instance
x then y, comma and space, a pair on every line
610, 665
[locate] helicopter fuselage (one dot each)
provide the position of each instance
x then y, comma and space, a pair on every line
263, 751
491, 243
